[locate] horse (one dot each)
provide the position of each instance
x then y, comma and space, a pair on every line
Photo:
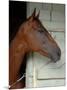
32, 36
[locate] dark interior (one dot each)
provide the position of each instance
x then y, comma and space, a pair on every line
17, 15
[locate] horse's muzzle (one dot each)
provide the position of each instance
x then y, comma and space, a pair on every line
56, 55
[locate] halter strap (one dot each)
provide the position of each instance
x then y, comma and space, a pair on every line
17, 81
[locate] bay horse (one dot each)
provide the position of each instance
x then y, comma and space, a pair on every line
31, 36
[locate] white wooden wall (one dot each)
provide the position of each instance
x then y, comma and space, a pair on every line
40, 71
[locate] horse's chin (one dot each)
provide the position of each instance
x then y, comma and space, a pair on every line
54, 59
44, 53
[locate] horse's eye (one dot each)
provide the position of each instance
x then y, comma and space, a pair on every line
41, 31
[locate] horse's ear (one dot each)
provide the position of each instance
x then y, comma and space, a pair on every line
38, 14
34, 13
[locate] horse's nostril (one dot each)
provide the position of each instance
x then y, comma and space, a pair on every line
58, 53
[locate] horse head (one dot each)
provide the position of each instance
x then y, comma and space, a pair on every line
38, 39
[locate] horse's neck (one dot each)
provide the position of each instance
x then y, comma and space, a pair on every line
16, 53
